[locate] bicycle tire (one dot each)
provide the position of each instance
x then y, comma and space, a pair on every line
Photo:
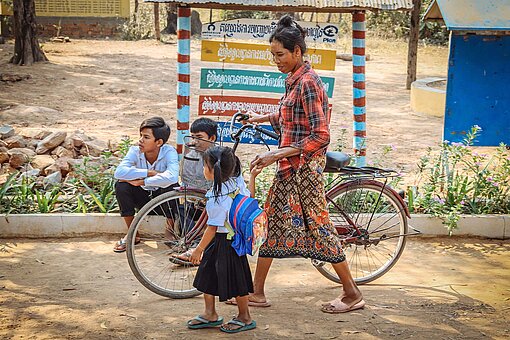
355, 199
149, 258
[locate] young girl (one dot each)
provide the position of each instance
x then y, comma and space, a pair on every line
222, 272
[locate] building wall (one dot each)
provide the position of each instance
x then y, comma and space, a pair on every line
477, 90
76, 27
77, 18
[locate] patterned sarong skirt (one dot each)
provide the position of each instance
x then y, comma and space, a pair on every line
299, 223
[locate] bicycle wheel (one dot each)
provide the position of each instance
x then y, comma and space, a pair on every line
170, 224
380, 215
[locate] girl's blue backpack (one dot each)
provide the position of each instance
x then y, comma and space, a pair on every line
249, 225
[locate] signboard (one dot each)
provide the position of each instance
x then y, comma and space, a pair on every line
228, 105
260, 29
248, 136
260, 54
249, 80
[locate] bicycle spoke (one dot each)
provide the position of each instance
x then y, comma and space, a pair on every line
168, 225
367, 214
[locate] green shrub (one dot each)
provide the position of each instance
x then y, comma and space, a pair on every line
458, 180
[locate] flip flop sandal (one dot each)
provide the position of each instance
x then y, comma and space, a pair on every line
121, 245
250, 303
242, 326
342, 307
178, 261
203, 323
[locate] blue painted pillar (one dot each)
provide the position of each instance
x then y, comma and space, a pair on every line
183, 74
358, 86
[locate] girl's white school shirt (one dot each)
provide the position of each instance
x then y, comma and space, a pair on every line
218, 206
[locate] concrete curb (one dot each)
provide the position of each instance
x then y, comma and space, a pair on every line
78, 225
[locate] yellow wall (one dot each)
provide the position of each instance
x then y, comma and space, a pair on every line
428, 100
78, 8
4, 9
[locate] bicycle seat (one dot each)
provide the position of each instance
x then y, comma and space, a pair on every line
335, 161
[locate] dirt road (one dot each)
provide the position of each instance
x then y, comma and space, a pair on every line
106, 88
452, 288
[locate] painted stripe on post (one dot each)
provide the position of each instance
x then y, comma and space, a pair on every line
181, 114
360, 126
183, 72
183, 88
357, 43
183, 68
358, 88
358, 93
359, 111
183, 46
357, 77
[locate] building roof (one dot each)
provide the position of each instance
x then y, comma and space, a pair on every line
471, 15
298, 5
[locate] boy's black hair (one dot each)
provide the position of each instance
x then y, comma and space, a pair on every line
289, 34
204, 124
159, 127
223, 162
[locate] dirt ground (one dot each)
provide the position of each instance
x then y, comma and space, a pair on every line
450, 288
57, 289
107, 87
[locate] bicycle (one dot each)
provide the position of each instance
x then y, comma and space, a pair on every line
369, 216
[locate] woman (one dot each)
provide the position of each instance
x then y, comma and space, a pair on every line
299, 222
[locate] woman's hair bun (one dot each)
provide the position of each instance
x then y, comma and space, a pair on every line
286, 21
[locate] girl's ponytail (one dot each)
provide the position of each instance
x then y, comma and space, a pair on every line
217, 177
222, 161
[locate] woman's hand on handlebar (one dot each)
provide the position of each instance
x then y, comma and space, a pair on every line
254, 118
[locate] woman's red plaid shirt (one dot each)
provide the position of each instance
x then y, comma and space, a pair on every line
303, 119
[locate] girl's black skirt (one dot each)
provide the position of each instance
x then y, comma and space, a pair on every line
222, 272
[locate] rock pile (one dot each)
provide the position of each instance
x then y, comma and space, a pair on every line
49, 156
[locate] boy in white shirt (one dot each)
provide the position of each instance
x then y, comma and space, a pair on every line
147, 171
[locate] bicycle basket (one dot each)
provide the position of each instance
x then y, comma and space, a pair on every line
191, 166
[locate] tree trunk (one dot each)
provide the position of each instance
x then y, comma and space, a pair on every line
26, 45
412, 54
157, 31
171, 19
135, 12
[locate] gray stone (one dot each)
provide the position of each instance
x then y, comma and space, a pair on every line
54, 178
50, 142
42, 161
32, 144
4, 156
41, 134
60, 151
93, 148
6, 131
52, 169
31, 173
79, 138
15, 141
63, 165
68, 144
20, 156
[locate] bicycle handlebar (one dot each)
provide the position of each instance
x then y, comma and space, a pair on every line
238, 116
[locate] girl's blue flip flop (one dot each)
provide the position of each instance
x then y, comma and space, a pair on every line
242, 326
203, 323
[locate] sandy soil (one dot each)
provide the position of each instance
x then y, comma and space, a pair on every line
107, 87
79, 289
55, 289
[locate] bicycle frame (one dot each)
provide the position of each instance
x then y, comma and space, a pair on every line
347, 176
